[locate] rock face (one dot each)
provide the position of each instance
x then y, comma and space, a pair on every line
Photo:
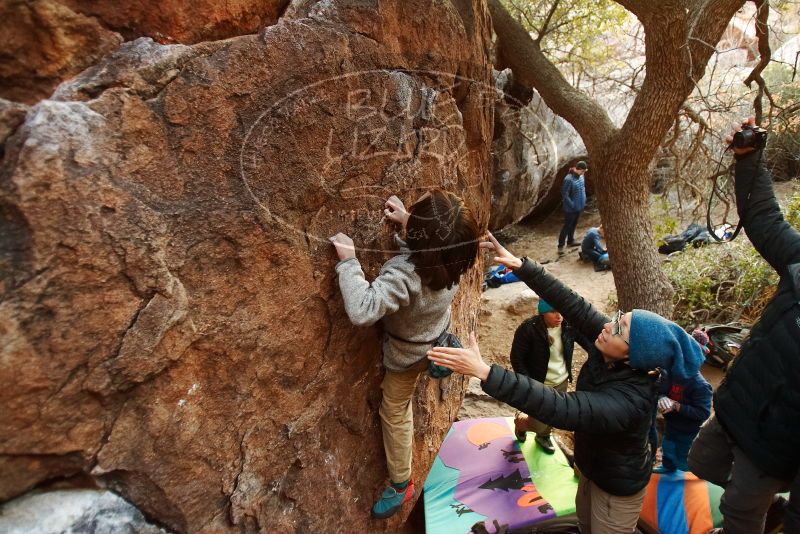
12, 115
169, 317
42, 43
531, 147
175, 21
78, 511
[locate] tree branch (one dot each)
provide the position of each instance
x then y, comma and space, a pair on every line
566, 21
640, 8
532, 69
708, 20
676, 52
544, 30
522, 12
762, 32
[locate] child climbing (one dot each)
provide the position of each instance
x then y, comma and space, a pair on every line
411, 296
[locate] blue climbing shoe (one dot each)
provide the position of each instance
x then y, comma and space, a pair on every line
391, 500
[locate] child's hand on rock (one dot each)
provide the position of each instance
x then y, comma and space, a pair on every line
396, 211
345, 248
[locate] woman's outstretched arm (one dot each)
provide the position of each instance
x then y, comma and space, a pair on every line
578, 311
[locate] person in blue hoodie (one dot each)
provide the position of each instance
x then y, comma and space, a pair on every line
592, 249
685, 404
573, 200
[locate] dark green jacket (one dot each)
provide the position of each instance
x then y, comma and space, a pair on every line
758, 403
611, 410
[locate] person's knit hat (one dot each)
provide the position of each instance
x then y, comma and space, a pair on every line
544, 307
657, 342
701, 337
581, 165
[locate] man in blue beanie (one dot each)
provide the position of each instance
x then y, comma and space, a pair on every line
542, 349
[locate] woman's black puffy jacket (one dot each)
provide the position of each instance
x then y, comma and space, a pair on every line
612, 409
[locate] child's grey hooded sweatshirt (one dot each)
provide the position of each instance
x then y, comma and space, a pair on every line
409, 309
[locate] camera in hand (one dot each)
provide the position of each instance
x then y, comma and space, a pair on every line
750, 136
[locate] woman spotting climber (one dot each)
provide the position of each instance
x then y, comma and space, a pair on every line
613, 406
412, 296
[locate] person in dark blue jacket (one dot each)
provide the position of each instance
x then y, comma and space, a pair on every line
686, 404
752, 444
592, 249
573, 200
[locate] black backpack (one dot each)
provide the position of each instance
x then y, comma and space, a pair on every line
724, 342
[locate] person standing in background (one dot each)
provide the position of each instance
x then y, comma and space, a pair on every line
573, 200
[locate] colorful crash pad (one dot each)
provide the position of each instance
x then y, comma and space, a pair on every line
483, 474
681, 503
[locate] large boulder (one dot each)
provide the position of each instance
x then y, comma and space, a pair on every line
531, 147
169, 318
43, 42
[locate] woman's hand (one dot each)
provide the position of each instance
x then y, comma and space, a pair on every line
502, 255
466, 361
344, 246
396, 211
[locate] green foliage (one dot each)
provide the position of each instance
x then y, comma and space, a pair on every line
792, 210
612, 302
665, 224
576, 32
724, 282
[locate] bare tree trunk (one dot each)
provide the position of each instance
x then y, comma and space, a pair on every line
679, 39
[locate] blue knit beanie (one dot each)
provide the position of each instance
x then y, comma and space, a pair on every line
657, 342
544, 307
